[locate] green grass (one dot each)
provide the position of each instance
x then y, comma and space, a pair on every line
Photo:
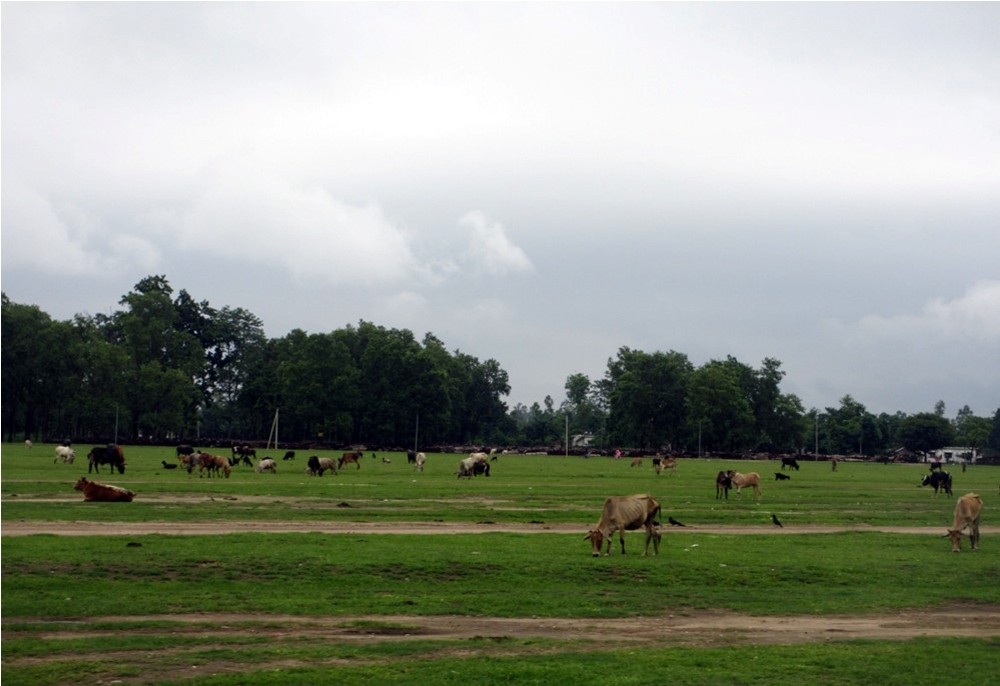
522, 489
57, 590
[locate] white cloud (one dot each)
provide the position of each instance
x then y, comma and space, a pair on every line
264, 220
489, 248
974, 316
63, 239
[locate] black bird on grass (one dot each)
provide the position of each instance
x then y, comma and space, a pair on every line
674, 522
774, 518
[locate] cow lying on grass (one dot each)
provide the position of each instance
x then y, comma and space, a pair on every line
968, 509
103, 493
623, 513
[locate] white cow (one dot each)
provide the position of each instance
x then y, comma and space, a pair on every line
267, 465
65, 453
421, 460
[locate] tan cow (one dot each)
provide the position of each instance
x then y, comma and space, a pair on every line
967, 512
751, 479
623, 513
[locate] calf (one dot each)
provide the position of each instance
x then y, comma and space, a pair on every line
104, 493
968, 510
778, 476
267, 464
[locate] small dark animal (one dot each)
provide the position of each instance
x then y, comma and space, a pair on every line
935, 465
723, 482
167, 465
778, 476
674, 522
789, 462
774, 518
290, 455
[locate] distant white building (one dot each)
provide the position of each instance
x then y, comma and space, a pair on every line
954, 454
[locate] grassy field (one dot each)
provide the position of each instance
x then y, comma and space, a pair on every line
288, 608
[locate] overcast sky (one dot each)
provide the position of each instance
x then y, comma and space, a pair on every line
536, 183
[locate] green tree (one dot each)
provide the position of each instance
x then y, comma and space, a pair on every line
646, 397
926, 431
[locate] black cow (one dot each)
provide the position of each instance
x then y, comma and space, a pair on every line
723, 482
938, 480
778, 476
411, 456
110, 454
185, 450
790, 462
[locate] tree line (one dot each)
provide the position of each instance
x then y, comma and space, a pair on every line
166, 368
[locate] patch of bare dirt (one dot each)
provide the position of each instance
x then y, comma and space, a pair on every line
92, 528
690, 628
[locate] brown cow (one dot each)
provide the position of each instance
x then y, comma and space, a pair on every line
103, 493
967, 512
347, 458
623, 513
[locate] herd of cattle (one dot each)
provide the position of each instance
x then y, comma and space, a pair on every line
619, 514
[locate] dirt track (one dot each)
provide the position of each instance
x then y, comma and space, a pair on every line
91, 528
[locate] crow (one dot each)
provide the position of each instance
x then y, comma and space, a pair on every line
674, 522
774, 518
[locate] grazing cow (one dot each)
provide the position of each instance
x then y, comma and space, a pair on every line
290, 455
967, 512
740, 481
104, 493
65, 453
939, 481
110, 454
185, 450
347, 458
636, 462
474, 465
244, 453
666, 463
420, 460
214, 464
626, 513
167, 465
723, 482
778, 476
27, 443
318, 465
267, 464
411, 457
789, 462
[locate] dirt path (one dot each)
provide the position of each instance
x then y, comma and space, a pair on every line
696, 629
90, 528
